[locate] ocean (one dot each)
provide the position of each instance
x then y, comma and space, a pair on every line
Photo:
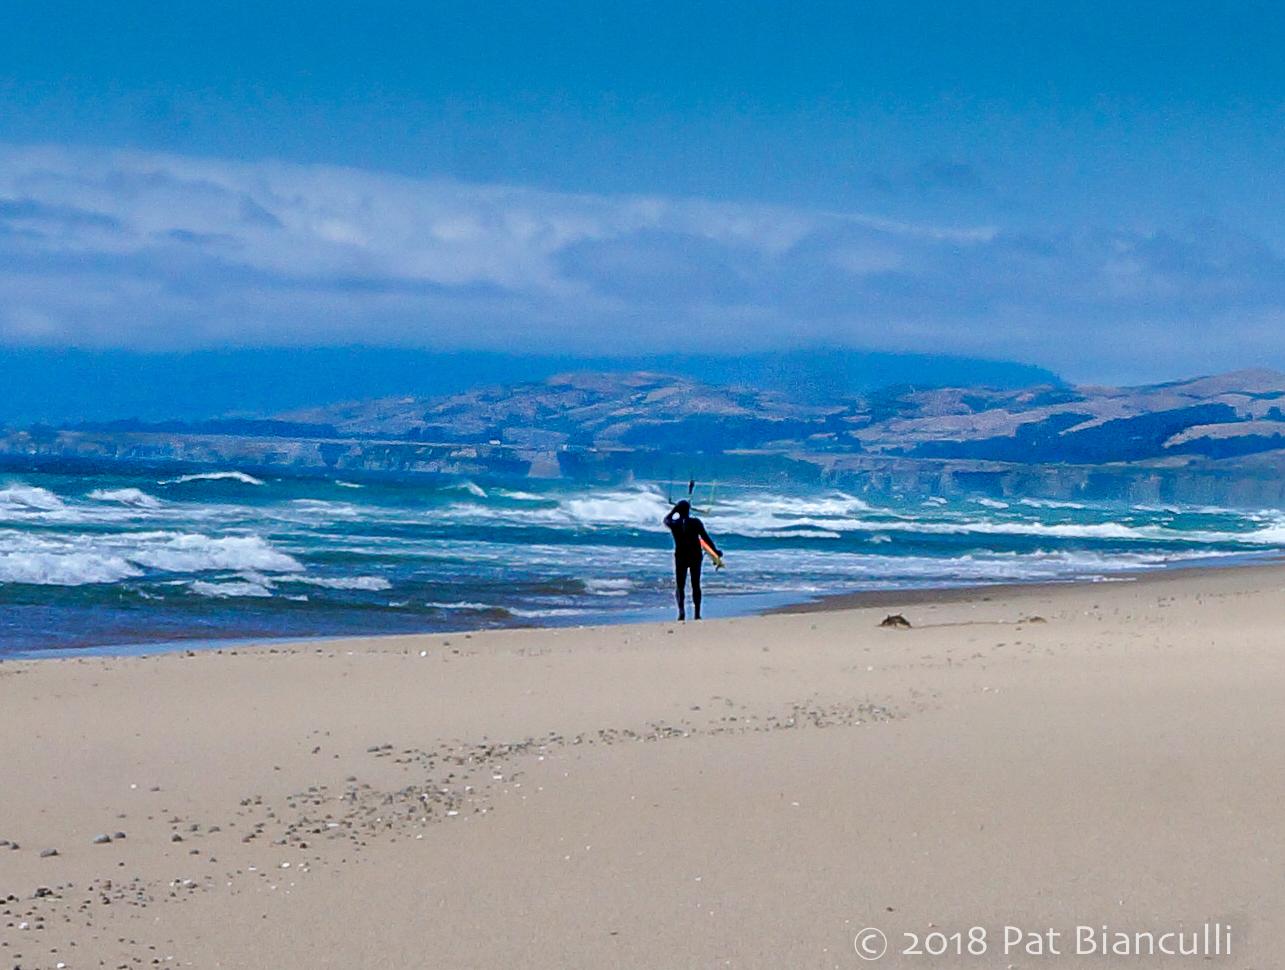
121, 562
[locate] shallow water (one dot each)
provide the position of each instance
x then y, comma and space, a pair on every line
88, 561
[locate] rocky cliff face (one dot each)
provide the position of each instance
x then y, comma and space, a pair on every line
1211, 439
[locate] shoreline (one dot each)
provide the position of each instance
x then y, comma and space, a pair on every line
744, 792
861, 599
864, 599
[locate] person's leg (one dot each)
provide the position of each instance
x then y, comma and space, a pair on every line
696, 588
680, 582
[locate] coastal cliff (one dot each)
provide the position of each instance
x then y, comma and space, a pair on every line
1208, 440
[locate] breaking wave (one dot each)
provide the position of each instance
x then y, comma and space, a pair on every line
87, 559
474, 489
230, 590
134, 497
241, 477
369, 583
29, 498
70, 569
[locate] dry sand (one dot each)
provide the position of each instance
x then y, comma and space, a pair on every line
740, 793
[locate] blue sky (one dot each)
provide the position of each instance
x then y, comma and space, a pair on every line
1090, 187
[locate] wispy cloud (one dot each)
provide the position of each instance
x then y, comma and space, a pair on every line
103, 248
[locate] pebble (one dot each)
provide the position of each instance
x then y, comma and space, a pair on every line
102, 839
48, 853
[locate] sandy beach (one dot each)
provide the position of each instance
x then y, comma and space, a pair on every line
739, 793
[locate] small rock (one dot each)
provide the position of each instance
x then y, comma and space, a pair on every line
176, 837
48, 853
102, 839
895, 621
118, 836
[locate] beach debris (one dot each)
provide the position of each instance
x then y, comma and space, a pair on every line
103, 839
176, 837
48, 853
895, 621
1036, 619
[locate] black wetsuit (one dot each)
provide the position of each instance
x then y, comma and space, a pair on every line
688, 532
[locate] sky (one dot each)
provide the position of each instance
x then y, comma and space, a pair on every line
1094, 188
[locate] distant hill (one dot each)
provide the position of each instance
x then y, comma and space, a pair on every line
1210, 439
1230, 414
64, 386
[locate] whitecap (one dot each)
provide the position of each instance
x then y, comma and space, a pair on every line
125, 496
370, 583
341, 509
29, 498
472, 488
521, 496
241, 477
642, 508
192, 553
64, 569
608, 587
229, 590
1048, 503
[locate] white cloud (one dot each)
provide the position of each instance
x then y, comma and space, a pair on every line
104, 248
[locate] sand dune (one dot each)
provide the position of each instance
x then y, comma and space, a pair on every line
743, 793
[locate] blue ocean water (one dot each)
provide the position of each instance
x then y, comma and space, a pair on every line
111, 560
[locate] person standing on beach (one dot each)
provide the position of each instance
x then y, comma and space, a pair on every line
688, 532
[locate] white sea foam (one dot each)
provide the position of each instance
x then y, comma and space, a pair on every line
1048, 503
1272, 535
641, 508
370, 583
471, 487
69, 569
546, 613
348, 484
29, 498
991, 503
521, 496
192, 553
134, 497
337, 509
241, 477
73, 560
229, 590
608, 587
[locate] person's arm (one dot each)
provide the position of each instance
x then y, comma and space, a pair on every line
705, 536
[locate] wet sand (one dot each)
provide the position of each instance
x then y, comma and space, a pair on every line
744, 793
